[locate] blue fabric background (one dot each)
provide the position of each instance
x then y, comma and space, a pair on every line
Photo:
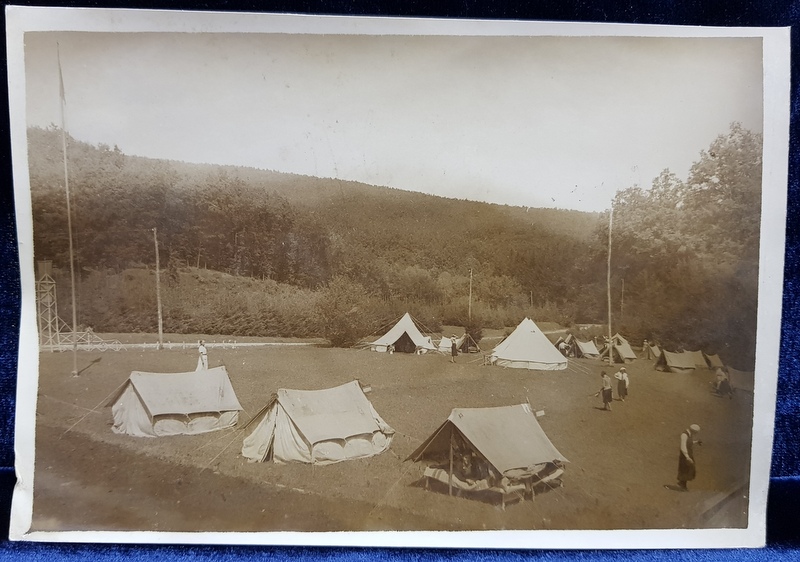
784, 494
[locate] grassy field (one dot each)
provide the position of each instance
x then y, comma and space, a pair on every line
87, 477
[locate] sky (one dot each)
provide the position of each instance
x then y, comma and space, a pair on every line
530, 121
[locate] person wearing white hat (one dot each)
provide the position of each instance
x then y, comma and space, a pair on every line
686, 465
622, 383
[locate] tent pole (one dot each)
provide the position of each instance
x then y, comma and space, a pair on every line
450, 477
608, 281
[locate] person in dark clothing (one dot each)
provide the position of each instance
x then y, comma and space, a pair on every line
686, 465
453, 349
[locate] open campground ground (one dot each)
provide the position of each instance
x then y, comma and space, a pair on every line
88, 477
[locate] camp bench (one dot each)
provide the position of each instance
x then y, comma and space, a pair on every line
505, 492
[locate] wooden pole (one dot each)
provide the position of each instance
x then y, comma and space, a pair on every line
69, 216
608, 281
450, 477
158, 293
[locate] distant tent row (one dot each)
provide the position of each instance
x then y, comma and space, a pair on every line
686, 361
525, 348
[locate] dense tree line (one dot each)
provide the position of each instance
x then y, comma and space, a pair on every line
338, 259
687, 252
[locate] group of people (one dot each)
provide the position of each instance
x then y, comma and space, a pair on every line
686, 465
607, 390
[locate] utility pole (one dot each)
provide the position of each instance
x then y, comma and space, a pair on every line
608, 281
469, 310
69, 216
158, 293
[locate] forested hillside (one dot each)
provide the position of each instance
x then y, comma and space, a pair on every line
686, 251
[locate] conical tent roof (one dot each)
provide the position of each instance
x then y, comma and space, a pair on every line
404, 327
509, 437
528, 348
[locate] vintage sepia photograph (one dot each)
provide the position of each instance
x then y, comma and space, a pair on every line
298, 274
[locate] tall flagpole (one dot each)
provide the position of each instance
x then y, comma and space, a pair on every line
608, 282
158, 293
69, 216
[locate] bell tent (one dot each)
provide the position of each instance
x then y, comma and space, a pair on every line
317, 427
501, 450
405, 337
158, 404
528, 348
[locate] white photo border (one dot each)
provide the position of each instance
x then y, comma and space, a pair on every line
776, 64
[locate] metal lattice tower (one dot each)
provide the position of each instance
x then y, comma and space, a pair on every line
50, 325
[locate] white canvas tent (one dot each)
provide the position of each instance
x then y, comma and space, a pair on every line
405, 337
158, 404
318, 427
445, 344
528, 348
586, 349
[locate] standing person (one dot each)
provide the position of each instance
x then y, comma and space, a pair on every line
453, 348
202, 361
606, 391
686, 466
622, 383
648, 353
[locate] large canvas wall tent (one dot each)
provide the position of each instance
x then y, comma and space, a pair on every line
158, 404
317, 427
501, 450
403, 337
528, 348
